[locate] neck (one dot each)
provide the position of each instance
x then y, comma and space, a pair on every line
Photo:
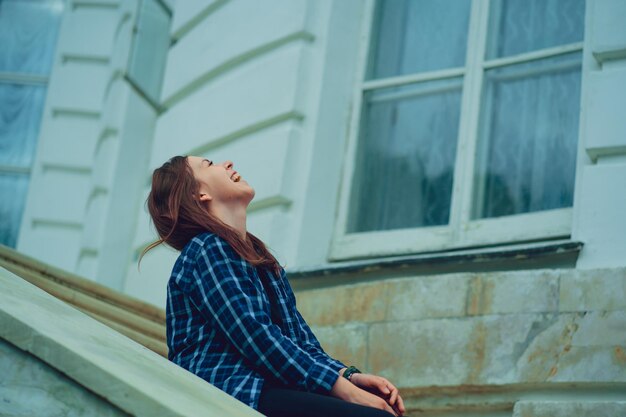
234, 217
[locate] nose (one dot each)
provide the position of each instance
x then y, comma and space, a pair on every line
227, 164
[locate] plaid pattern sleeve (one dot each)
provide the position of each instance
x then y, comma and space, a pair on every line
307, 339
310, 343
224, 288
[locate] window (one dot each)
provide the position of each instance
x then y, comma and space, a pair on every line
151, 43
28, 32
468, 125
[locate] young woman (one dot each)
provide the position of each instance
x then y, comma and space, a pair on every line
231, 314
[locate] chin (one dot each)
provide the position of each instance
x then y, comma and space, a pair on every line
250, 194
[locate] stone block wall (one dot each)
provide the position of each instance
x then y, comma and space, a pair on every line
524, 332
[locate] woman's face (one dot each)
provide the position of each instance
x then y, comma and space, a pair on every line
219, 181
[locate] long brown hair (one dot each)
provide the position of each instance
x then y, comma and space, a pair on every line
178, 215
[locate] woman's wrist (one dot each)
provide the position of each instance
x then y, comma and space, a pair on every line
349, 372
341, 388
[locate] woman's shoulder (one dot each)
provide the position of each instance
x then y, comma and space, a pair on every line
207, 243
205, 240
193, 248
202, 240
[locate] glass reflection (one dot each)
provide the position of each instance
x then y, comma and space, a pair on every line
417, 36
405, 159
527, 150
28, 34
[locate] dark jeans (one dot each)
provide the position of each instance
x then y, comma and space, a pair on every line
279, 402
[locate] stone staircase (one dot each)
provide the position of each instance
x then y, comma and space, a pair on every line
138, 320
66, 349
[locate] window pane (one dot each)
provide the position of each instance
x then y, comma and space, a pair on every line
530, 25
406, 154
147, 62
13, 189
20, 115
417, 36
28, 33
527, 152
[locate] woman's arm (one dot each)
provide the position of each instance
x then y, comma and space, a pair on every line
306, 337
222, 289
310, 343
373, 384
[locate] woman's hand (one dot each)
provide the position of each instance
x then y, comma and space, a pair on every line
381, 387
347, 391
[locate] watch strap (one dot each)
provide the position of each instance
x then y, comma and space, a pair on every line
351, 370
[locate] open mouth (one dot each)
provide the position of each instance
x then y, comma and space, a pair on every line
236, 177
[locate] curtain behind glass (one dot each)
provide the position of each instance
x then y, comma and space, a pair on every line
28, 32
150, 46
530, 25
418, 36
528, 158
20, 116
408, 135
529, 118
13, 188
406, 156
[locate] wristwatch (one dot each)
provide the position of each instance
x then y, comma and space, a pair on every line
351, 370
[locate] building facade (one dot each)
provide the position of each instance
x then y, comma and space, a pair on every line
444, 179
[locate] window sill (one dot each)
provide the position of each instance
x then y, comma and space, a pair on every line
535, 255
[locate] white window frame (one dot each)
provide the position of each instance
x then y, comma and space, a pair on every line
462, 231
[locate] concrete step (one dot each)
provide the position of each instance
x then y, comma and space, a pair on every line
136, 319
569, 409
55, 360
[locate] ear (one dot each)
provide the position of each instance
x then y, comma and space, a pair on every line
205, 197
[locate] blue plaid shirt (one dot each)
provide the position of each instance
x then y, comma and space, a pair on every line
219, 325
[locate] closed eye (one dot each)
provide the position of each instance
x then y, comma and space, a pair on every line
209, 163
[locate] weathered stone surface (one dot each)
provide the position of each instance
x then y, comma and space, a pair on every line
556, 348
569, 409
592, 364
447, 295
515, 292
29, 387
497, 345
421, 353
347, 343
499, 349
481, 329
596, 289
427, 297
601, 329
350, 303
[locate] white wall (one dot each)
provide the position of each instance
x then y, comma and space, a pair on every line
241, 83
600, 197
92, 150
